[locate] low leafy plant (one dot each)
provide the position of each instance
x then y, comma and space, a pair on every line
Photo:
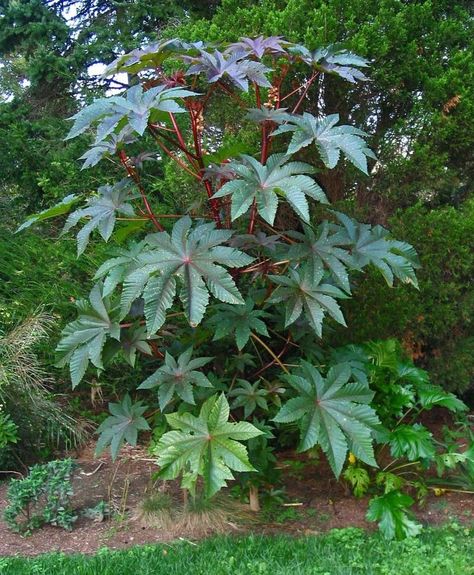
43, 497
228, 299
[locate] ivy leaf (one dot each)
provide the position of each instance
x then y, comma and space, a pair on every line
260, 46
391, 512
195, 258
231, 65
63, 207
207, 446
123, 425
102, 211
334, 60
177, 378
330, 139
249, 396
333, 412
239, 320
264, 183
302, 291
330, 249
373, 245
358, 478
84, 338
412, 441
134, 339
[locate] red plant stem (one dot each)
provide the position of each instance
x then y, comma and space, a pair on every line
181, 141
178, 160
171, 140
282, 352
136, 178
305, 91
207, 184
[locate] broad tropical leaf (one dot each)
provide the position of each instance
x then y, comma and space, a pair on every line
392, 513
373, 245
178, 377
84, 338
358, 478
260, 46
193, 257
101, 212
333, 60
430, 396
412, 441
123, 425
63, 207
265, 183
206, 446
249, 396
330, 249
303, 292
333, 412
330, 139
133, 108
239, 320
232, 65
134, 339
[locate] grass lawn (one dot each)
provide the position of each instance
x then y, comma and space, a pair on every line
442, 551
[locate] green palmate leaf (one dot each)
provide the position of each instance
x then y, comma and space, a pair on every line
389, 481
123, 425
134, 339
264, 184
430, 396
413, 442
206, 446
329, 249
249, 396
83, 339
63, 207
358, 478
330, 139
303, 292
333, 60
114, 271
373, 245
178, 377
239, 320
192, 257
333, 412
134, 108
391, 512
101, 212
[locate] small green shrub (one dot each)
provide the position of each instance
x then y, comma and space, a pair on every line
41, 498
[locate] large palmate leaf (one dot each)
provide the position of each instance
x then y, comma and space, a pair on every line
134, 339
206, 446
195, 258
101, 212
412, 441
330, 139
334, 60
260, 46
123, 425
392, 513
232, 65
63, 207
133, 108
239, 320
265, 183
373, 245
249, 396
333, 412
329, 249
178, 377
303, 292
84, 338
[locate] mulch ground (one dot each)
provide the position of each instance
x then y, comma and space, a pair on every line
316, 503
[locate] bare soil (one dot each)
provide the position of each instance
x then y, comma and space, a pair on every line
316, 503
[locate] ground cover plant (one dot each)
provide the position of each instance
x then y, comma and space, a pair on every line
445, 551
226, 302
